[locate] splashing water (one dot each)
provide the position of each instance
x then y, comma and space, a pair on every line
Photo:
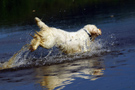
17, 59
97, 47
24, 57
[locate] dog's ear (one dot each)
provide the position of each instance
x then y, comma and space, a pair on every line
40, 24
93, 32
97, 32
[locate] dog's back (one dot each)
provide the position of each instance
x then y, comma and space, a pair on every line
68, 42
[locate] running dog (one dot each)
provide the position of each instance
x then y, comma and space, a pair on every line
67, 42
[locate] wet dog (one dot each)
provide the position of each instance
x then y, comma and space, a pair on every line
67, 42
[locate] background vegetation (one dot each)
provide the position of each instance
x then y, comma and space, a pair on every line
23, 11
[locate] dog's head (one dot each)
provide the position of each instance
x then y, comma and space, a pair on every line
93, 30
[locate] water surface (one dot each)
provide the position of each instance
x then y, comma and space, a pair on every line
109, 68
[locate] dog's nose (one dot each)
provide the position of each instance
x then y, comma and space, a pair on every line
100, 32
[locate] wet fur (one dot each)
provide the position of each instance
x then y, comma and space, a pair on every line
68, 42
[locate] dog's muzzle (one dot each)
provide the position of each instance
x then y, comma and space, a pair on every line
100, 32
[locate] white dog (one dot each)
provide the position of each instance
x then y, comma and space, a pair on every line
68, 42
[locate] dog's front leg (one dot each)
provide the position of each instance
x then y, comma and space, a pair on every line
86, 45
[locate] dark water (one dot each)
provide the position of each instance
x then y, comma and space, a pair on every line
110, 68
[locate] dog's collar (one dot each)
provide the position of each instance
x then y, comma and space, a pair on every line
88, 33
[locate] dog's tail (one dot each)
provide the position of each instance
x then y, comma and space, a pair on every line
40, 23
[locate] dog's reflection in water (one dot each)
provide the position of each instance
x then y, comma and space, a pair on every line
58, 76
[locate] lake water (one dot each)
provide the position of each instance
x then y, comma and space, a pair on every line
111, 67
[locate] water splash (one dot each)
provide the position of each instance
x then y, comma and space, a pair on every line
24, 57
17, 59
97, 48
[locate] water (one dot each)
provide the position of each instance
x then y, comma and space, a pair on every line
24, 57
111, 67
17, 59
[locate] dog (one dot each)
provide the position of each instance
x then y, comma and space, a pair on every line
67, 42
